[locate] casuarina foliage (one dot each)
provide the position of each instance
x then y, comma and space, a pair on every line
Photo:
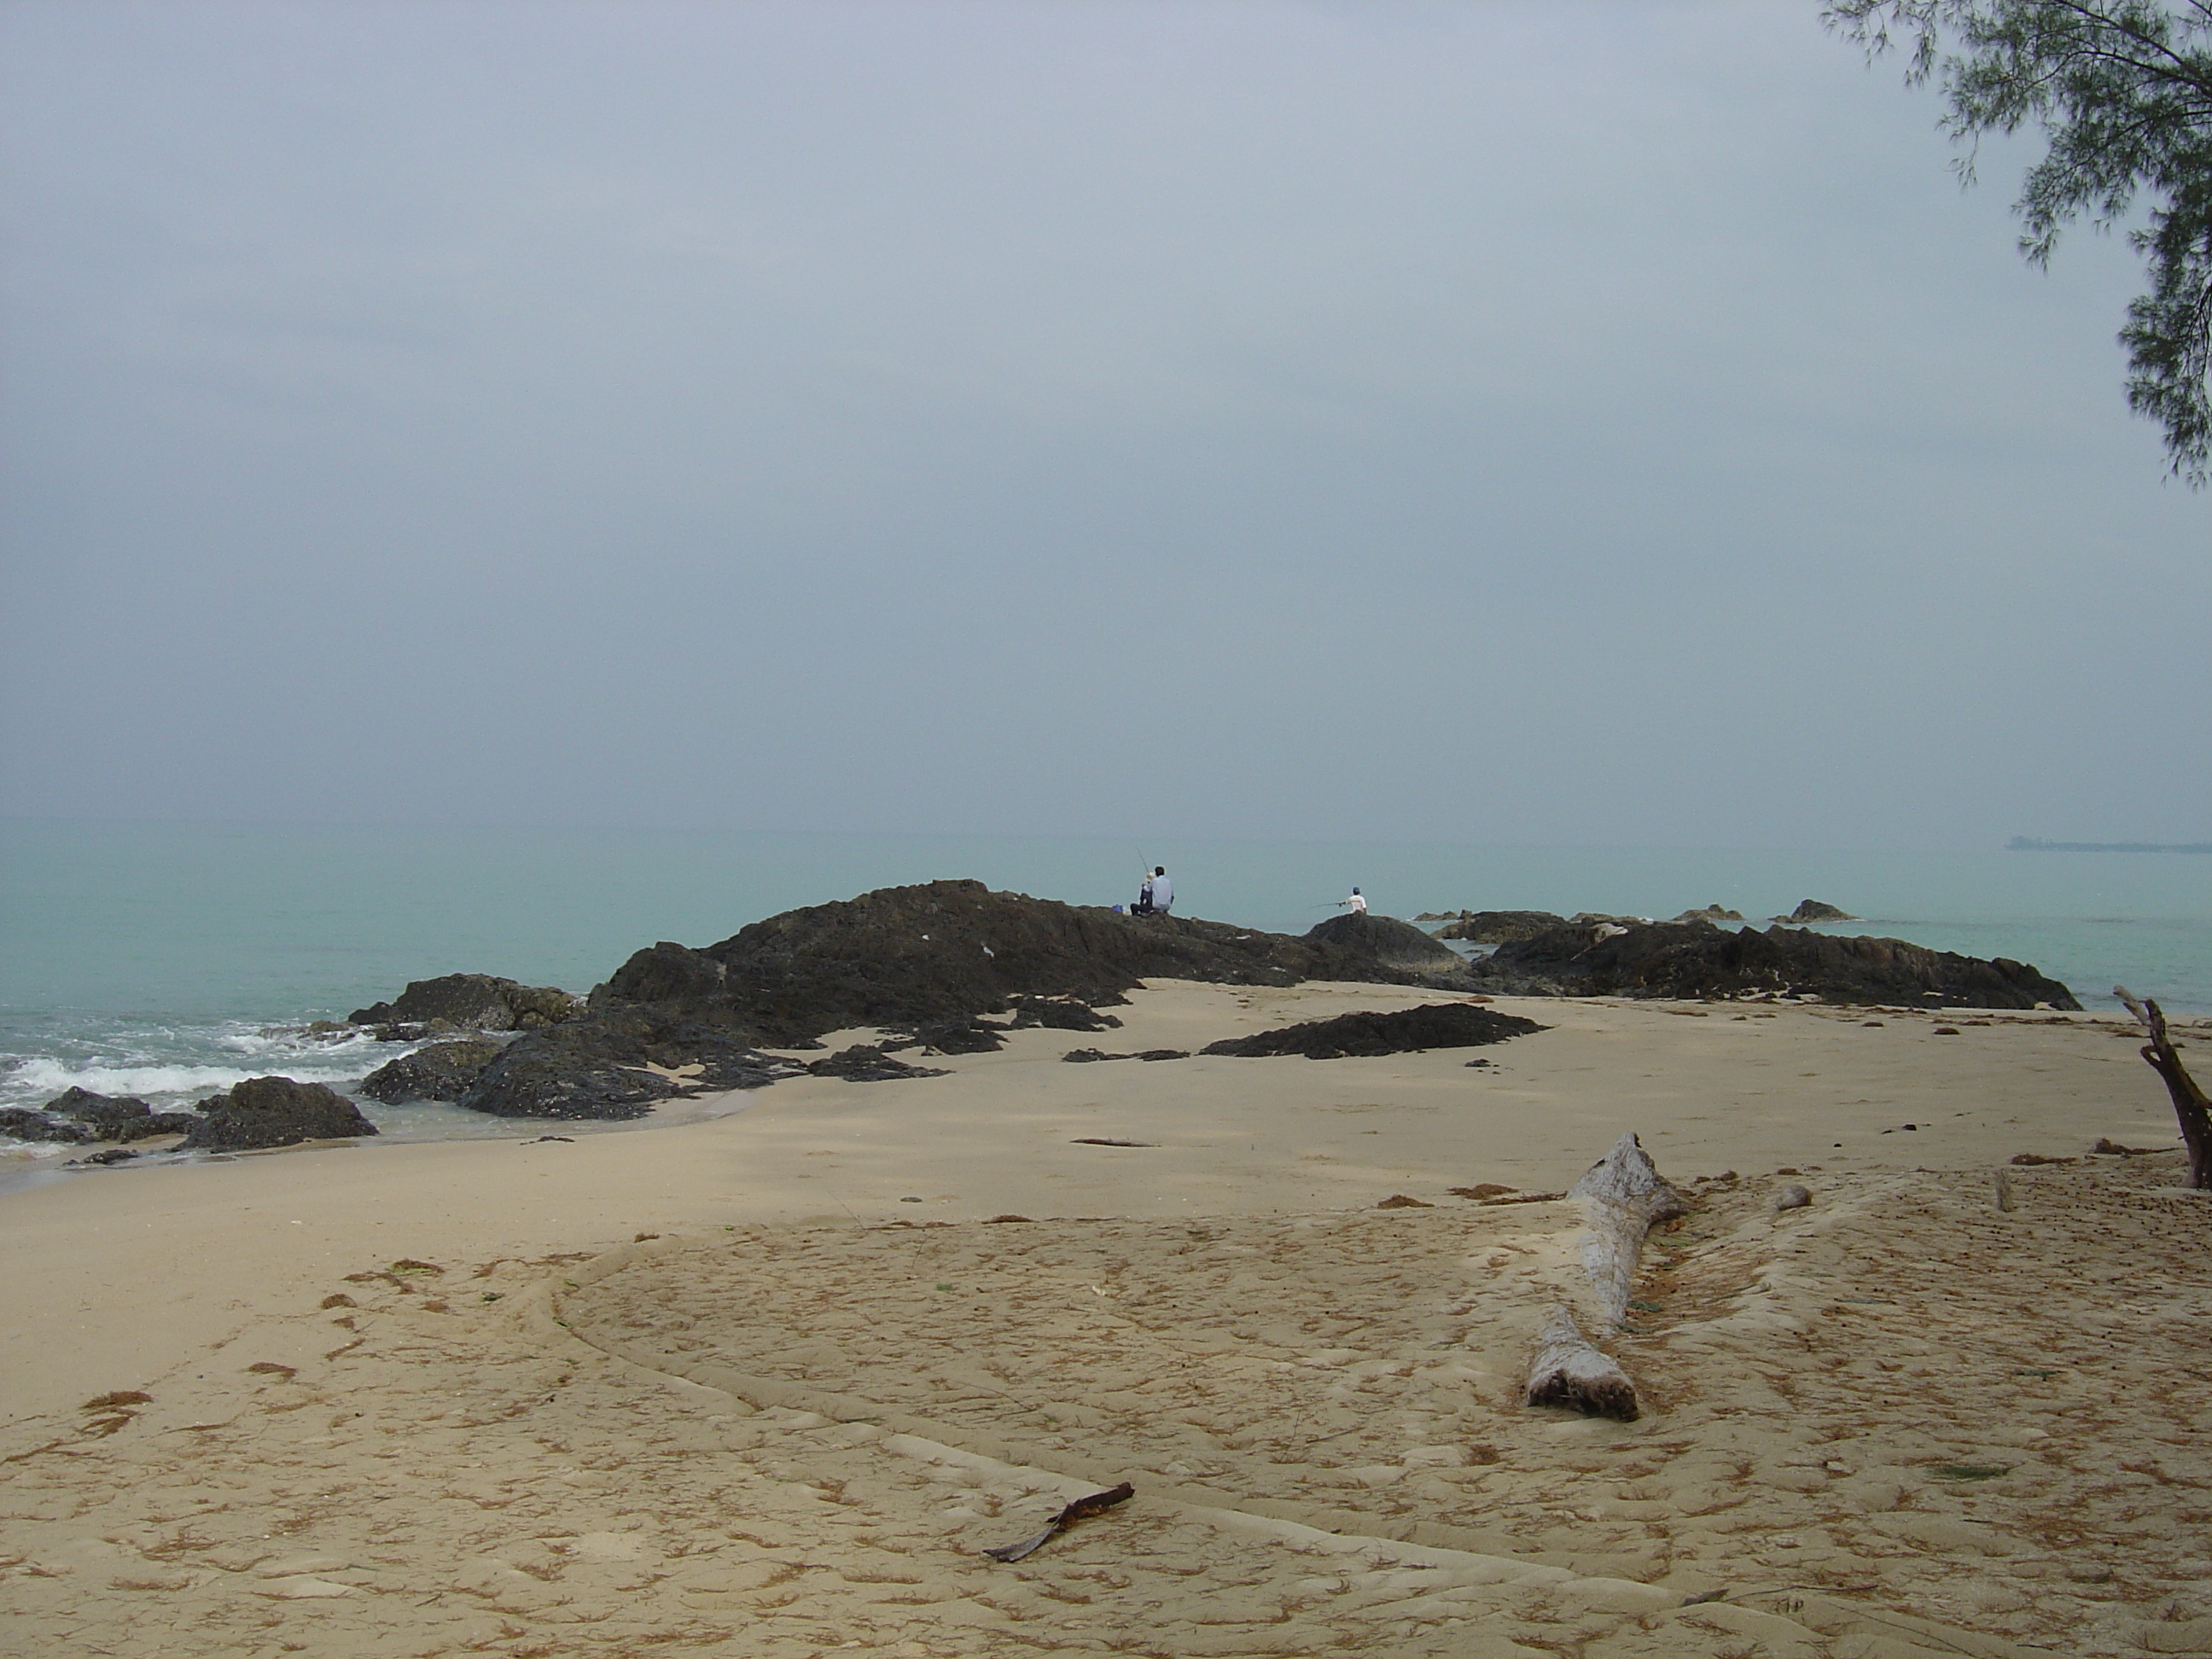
2122, 89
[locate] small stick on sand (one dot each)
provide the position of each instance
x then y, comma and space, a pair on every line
1096, 1502
1569, 1371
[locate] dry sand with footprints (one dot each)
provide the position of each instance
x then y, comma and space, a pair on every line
767, 1384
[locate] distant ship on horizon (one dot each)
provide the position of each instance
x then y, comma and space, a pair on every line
2030, 844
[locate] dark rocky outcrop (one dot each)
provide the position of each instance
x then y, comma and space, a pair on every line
1498, 927
1081, 1056
88, 1107
666, 973
1809, 910
589, 1069
1698, 960
1386, 939
950, 949
116, 1117
443, 1071
21, 1123
480, 1002
925, 960
123, 1122
1436, 1025
1714, 912
273, 1111
603, 1067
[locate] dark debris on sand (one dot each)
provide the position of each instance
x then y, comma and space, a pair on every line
1349, 1037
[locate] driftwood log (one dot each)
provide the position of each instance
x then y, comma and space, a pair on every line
2190, 1104
1623, 1197
1569, 1370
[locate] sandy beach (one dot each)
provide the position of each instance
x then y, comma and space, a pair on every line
768, 1380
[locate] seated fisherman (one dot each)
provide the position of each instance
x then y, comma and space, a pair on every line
1157, 894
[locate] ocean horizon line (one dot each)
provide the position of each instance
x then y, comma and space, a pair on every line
1164, 837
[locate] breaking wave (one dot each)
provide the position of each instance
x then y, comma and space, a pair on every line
170, 1066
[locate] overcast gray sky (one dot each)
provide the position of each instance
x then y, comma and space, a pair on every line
1538, 422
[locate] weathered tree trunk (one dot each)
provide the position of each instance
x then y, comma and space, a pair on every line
2190, 1104
1569, 1371
1623, 1197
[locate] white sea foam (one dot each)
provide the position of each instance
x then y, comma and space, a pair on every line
246, 1040
42, 1079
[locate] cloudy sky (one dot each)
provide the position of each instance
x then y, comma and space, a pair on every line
1539, 422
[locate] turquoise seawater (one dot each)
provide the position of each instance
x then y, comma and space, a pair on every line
148, 958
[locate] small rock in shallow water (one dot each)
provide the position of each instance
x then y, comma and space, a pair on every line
273, 1111
113, 1155
19, 1123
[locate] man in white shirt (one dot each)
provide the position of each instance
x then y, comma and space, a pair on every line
1355, 904
1163, 890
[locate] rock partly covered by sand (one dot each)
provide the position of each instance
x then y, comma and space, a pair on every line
1697, 959
481, 1002
959, 1036
1436, 1025
273, 1111
1061, 1014
615, 1065
865, 1062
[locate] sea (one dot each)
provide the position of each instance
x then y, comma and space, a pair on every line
168, 960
